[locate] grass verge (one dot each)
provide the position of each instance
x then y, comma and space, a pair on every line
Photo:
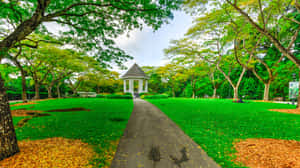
96, 127
216, 124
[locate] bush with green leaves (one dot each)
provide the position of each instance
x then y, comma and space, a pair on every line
100, 96
115, 96
158, 96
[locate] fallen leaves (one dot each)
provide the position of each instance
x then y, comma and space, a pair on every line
21, 104
268, 153
291, 111
52, 152
23, 112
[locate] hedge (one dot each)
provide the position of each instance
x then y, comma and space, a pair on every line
114, 96
101, 96
159, 96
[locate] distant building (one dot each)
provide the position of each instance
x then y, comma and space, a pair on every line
135, 73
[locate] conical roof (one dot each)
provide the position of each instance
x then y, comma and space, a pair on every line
135, 72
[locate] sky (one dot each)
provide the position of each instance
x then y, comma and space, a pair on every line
147, 46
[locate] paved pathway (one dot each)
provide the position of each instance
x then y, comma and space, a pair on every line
152, 140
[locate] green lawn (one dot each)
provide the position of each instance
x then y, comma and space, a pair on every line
216, 124
99, 127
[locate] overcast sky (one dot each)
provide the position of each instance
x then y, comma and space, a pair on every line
147, 46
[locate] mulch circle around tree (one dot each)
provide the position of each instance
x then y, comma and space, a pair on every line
24, 112
291, 111
22, 104
268, 153
51, 152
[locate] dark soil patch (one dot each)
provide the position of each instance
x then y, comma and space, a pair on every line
69, 110
117, 119
22, 122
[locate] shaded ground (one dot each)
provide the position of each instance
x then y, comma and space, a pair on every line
152, 140
291, 111
51, 152
268, 153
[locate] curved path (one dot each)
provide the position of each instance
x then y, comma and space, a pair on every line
152, 140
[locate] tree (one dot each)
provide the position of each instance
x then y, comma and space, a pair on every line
91, 25
270, 19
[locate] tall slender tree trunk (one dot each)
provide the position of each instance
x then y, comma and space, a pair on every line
23, 76
298, 102
8, 139
215, 93
236, 93
49, 88
24, 94
58, 90
173, 92
193, 96
37, 90
267, 91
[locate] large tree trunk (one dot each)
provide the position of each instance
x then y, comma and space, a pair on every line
37, 90
8, 139
267, 91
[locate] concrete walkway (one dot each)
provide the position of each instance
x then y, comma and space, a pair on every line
152, 140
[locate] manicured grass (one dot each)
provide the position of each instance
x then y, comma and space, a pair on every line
99, 127
216, 124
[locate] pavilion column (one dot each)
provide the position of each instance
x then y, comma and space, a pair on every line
131, 86
146, 86
125, 87
140, 86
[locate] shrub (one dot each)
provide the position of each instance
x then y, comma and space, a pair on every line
115, 96
100, 96
159, 96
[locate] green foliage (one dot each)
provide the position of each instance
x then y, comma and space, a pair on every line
100, 96
115, 96
216, 124
95, 127
157, 96
90, 25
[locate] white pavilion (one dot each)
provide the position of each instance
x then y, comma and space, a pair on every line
135, 73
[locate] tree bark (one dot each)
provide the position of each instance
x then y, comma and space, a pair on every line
8, 139
49, 88
58, 90
298, 101
215, 93
236, 93
37, 90
23, 76
267, 91
193, 96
